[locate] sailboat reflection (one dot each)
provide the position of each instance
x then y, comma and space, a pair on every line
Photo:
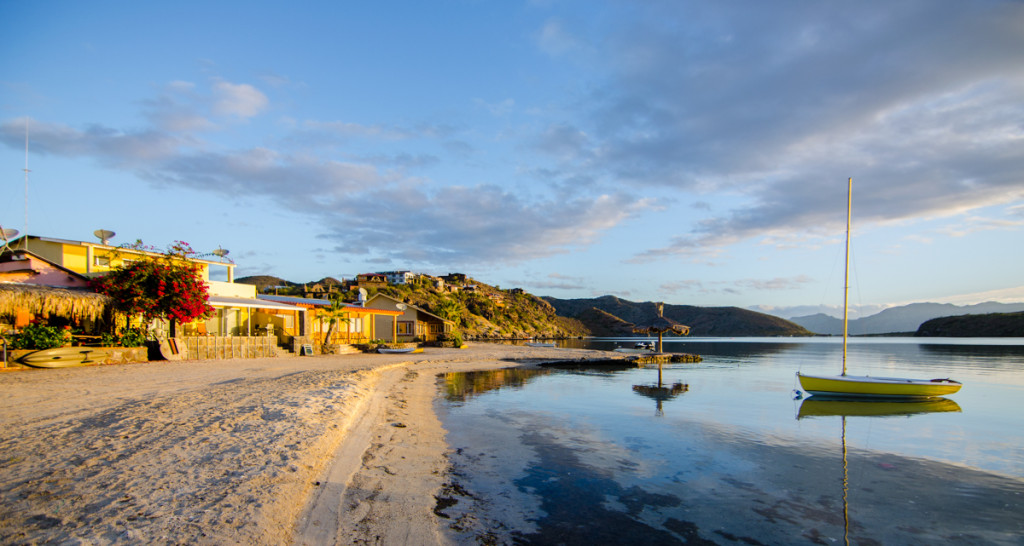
818, 406
661, 392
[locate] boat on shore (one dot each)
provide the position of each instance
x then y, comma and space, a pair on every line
64, 357
399, 350
640, 347
866, 386
540, 344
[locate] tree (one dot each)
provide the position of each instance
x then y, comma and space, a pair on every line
168, 286
337, 312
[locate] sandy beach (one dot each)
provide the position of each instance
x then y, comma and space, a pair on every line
335, 449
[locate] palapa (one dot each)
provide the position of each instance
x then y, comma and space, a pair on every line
52, 301
660, 325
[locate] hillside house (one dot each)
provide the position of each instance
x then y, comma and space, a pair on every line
371, 280
399, 277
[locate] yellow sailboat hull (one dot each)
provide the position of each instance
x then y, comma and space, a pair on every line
877, 387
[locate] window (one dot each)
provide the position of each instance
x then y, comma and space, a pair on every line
405, 328
101, 261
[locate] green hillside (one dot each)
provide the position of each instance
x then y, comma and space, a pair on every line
703, 321
990, 325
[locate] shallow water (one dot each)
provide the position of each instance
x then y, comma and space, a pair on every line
722, 453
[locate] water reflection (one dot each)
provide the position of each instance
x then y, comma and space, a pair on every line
578, 454
661, 394
817, 406
461, 386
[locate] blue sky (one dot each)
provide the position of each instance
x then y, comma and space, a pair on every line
679, 151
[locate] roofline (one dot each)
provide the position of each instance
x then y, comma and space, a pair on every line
42, 259
416, 307
109, 247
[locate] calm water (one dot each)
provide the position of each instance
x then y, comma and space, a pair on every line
721, 453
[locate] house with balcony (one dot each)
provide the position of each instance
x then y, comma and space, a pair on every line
233, 331
398, 277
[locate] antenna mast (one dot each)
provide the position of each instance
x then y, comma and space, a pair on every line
25, 240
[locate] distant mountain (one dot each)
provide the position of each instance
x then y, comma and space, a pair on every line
991, 325
703, 321
263, 281
603, 324
906, 318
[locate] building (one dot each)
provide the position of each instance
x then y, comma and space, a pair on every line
399, 277
371, 280
353, 323
237, 327
413, 322
32, 287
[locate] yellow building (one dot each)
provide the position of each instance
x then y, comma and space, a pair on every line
93, 259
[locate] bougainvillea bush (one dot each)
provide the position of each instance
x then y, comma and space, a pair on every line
168, 286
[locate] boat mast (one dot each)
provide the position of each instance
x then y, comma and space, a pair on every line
846, 278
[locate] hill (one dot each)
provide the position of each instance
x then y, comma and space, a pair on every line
703, 321
990, 325
263, 281
484, 311
906, 318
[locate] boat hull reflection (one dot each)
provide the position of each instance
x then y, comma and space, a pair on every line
822, 406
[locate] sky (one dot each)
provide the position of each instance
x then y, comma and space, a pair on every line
691, 152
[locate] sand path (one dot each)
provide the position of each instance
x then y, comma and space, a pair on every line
311, 450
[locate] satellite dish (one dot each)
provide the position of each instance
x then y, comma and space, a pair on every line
104, 235
401, 306
8, 234
220, 252
362, 295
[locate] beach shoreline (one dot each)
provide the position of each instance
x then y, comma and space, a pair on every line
308, 450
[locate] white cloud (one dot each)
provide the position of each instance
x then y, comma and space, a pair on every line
240, 100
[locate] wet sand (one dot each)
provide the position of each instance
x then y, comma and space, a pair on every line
333, 449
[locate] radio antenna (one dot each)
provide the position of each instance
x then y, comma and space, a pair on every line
25, 239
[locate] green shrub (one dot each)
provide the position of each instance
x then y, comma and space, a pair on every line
39, 337
451, 337
133, 337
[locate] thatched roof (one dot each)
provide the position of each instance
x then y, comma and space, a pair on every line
48, 300
660, 324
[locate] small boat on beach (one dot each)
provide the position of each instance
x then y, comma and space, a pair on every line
64, 357
540, 344
640, 347
399, 350
866, 386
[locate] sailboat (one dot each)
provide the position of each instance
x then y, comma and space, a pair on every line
866, 386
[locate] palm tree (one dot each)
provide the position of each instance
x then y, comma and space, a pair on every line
337, 312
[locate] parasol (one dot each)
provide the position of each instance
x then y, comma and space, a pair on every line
660, 325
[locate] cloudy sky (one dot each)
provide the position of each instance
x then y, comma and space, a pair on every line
693, 152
